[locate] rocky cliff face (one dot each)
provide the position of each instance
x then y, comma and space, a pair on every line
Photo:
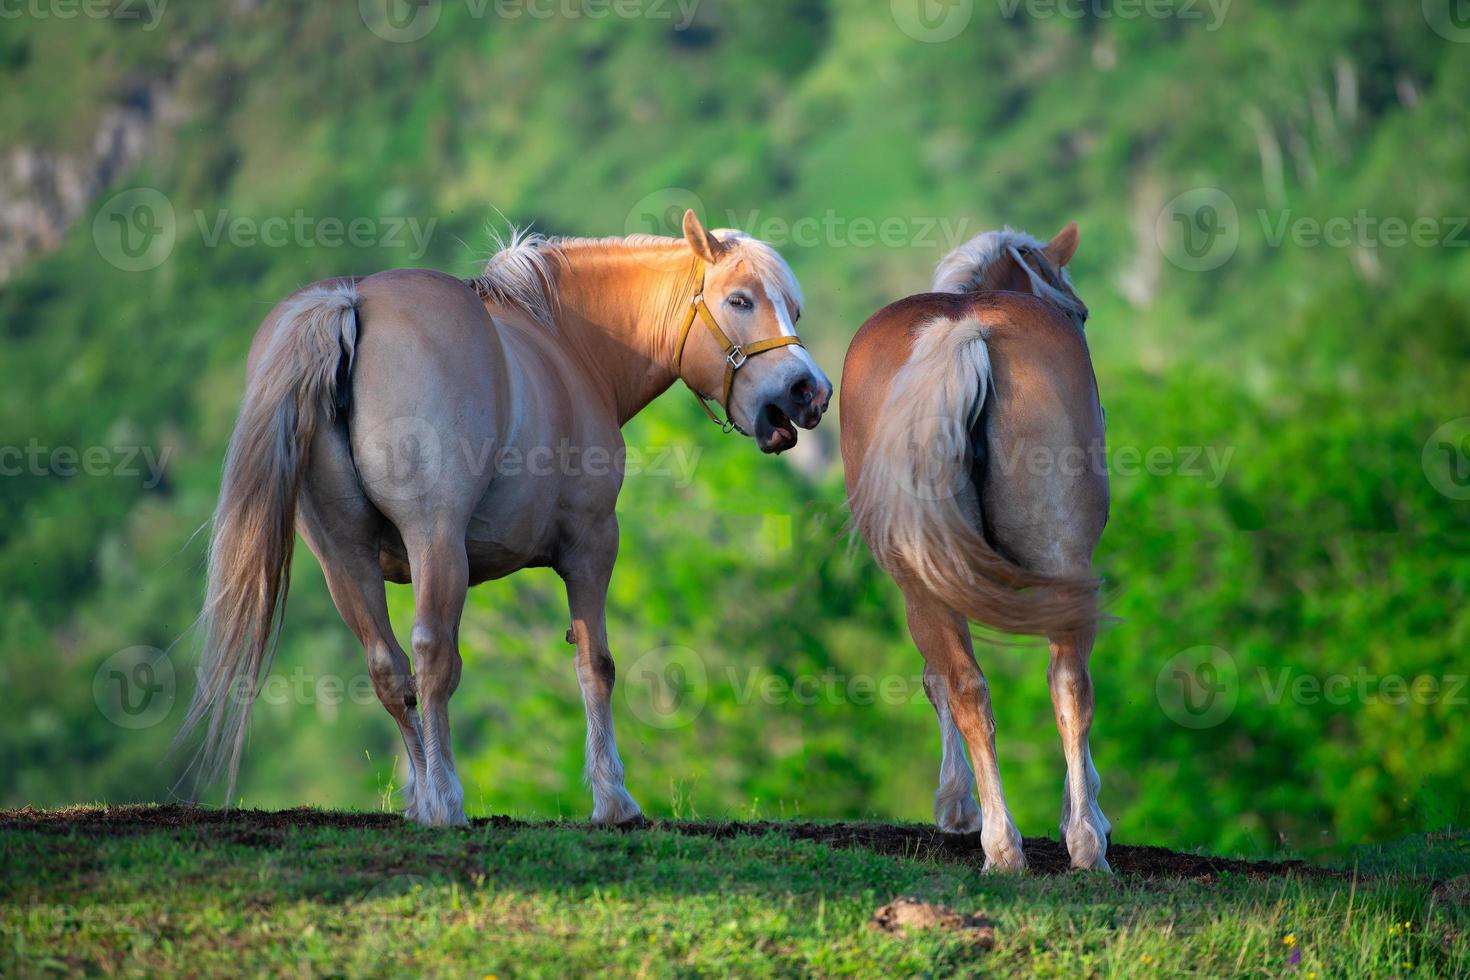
43, 192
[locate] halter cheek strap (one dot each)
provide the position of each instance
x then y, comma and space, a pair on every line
735, 354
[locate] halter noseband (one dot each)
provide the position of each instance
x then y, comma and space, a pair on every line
735, 354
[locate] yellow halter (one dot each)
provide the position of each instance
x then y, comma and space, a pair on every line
735, 354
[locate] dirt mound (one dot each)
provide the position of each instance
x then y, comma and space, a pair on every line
1455, 892
907, 913
264, 828
1043, 855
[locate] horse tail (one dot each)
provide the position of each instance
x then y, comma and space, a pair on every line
292, 390
917, 504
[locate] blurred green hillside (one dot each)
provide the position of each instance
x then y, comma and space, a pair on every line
1285, 373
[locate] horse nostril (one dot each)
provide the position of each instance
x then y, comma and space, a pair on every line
802, 392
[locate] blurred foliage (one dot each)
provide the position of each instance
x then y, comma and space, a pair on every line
1323, 549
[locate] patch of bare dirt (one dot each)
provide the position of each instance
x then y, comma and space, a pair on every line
260, 828
1456, 891
906, 913
1043, 855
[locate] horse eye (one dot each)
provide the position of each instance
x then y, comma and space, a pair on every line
740, 301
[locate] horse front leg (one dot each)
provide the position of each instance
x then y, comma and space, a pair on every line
586, 575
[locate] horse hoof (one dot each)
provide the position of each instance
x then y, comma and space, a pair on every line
618, 810
960, 817
1006, 864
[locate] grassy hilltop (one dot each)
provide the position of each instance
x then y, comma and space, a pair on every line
1284, 491
126, 891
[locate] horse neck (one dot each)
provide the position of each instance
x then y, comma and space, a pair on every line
620, 307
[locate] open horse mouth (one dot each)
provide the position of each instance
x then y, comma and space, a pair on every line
774, 430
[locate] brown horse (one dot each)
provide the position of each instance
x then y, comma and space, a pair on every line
418, 427
972, 440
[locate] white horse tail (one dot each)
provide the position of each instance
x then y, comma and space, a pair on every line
917, 506
292, 390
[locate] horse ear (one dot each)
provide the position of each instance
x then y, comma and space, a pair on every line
1061, 248
705, 245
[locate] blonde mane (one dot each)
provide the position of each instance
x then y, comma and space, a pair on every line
972, 266
522, 270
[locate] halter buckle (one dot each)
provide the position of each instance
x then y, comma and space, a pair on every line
736, 358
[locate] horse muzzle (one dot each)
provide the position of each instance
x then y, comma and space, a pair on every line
801, 403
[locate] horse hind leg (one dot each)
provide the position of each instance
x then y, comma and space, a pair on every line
1083, 825
357, 590
440, 579
943, 637
344, 537
955, 809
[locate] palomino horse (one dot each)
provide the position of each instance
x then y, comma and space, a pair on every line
972, 439
418, 427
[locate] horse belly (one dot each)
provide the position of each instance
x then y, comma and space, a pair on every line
513, 526
495, 545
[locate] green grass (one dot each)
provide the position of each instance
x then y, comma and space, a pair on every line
557, 900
